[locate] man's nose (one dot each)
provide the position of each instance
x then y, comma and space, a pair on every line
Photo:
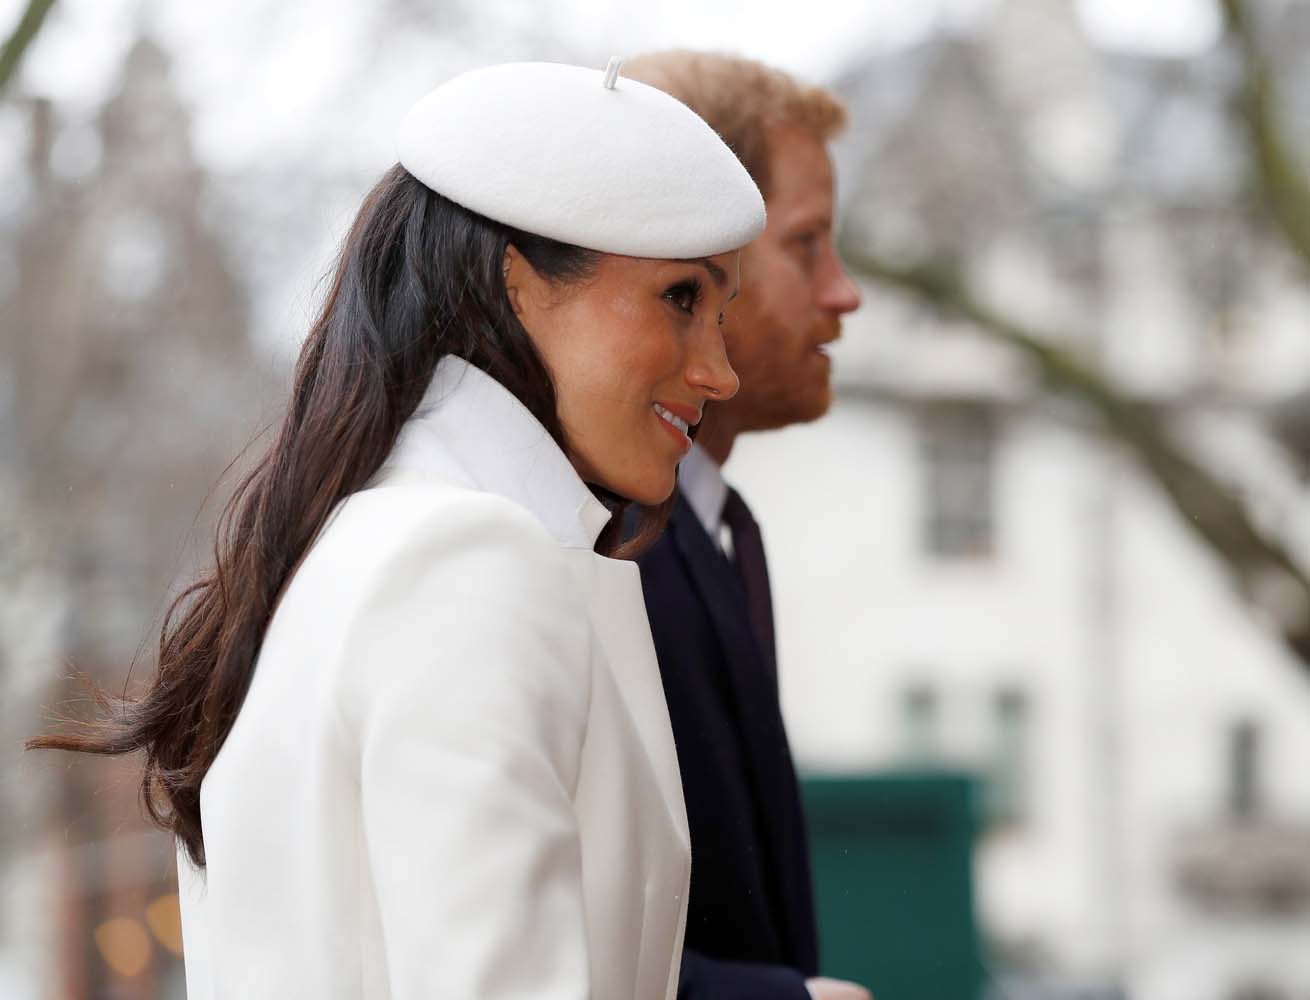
837, 291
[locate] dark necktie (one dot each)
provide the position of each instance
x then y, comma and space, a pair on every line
748, 554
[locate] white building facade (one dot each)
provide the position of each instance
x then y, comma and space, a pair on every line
967, 572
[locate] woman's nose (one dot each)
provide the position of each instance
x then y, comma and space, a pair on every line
708, 369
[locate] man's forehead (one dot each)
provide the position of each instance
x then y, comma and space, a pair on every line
800, 174
805, 206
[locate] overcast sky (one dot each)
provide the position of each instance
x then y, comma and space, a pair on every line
263, 77
283, 86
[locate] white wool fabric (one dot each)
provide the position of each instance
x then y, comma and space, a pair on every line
549, 149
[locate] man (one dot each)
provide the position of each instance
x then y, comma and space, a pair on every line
750, 928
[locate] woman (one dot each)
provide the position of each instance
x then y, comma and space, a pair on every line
410, 732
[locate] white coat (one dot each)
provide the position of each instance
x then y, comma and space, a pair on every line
453, 774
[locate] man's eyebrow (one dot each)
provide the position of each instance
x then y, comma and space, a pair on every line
808, 223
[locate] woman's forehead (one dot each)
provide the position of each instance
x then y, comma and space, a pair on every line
721, 269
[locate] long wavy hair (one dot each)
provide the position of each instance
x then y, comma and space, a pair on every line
418, 278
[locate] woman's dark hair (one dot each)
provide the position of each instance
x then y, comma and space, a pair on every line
418, 278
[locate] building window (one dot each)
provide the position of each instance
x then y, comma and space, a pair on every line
1007, 785
1243, 764
958, 446
921, 724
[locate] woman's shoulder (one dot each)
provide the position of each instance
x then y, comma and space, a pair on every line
389, 544
445, 580
396, 541
393, 522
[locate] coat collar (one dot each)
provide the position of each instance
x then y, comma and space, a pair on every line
470, 430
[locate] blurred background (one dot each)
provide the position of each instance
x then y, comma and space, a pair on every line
1042, 576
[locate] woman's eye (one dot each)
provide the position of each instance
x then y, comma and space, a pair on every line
685, 295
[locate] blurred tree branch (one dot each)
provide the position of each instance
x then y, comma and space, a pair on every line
1282, 181
21, 37
1266, 572
1260, 563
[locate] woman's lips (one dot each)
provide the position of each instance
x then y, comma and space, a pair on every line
678, 434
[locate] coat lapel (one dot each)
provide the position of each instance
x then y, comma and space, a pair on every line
754, 691
615, 593
721, 592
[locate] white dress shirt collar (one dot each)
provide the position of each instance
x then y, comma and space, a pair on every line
471, 430
702, 483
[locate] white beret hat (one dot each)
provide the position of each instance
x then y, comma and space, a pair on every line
582, 157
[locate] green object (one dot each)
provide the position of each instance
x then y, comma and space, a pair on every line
893, 881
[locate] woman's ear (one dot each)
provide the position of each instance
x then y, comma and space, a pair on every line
511, 269
532, 297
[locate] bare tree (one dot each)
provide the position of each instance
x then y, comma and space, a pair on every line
1282, 181
1264, 568
21, 37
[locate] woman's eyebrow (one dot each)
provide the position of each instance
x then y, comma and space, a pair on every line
719, 275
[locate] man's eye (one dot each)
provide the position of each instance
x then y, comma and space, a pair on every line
686, 295
807, 243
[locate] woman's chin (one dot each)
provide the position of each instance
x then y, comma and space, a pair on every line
650, 491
